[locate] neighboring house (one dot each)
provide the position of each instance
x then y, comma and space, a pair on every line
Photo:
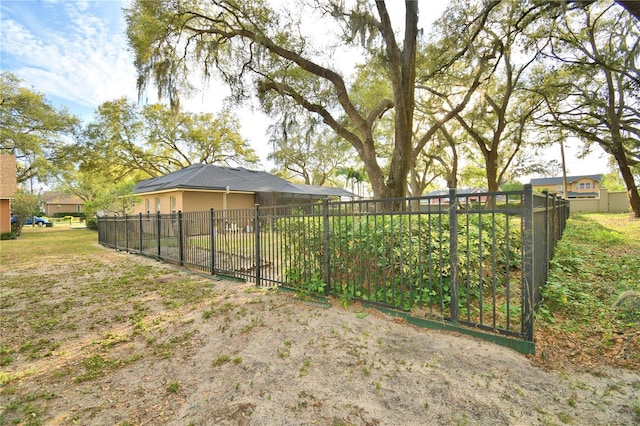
8, 188
585, 186
204, 186
59, 202
471, 195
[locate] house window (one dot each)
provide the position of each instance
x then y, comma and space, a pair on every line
146, 206
58, 207
157, 204
78, 208
173, 204
585, 185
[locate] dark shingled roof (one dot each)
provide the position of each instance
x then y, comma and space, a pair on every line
210, 177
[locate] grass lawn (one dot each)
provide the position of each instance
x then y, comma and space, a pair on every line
597, 260
58, 285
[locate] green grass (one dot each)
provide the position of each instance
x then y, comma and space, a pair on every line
222, 359
62, 293
68, 246
595, 262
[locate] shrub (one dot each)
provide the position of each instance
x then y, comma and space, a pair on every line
8, 236
92, 223
64, 214
400, 259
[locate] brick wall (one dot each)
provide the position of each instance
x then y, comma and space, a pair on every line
7, 176
7, 189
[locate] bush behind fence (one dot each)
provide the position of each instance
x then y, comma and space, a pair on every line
478, 263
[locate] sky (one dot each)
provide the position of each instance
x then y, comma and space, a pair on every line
75, 52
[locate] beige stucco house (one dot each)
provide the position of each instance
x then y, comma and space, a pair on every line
8, 188
585, 186
202, 187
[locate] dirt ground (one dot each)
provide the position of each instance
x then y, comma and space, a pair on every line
244, 356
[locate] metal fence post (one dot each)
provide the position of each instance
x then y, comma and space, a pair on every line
140, 247
547, 241
327, 259
115, 232
256, 229
453, 252
212, 240
126, 232
158, 229
180, 239
528, 254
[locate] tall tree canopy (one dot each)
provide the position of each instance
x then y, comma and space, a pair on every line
471, 79
255, 43
492, 71
126, 143
33, 130
153, 141
303, 151
592, 83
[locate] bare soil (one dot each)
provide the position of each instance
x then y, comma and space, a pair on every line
237, 355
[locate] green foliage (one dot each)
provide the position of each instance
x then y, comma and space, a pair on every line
174, 387
306, 285
613, 182
402, 260
94, 366
125, 141
594, 266
222, 359
303, 151
607, 103
112, 199
70, 214
23, 205
8, 236
512, 186
92, 223
32, 130
256, 42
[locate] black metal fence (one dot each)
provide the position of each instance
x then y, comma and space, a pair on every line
477, 260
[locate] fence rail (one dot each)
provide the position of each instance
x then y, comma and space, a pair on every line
477, 260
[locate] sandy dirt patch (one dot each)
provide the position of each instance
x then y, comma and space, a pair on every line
238, 355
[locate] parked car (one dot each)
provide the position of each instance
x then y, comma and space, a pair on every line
39, 221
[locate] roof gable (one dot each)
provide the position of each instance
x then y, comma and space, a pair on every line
54, 197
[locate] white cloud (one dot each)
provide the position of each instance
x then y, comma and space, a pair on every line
82, 61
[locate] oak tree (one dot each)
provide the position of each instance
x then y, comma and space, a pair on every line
257, 47
591, 87
33, 130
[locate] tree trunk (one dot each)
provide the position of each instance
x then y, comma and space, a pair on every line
492, 178
617, 146
627, 176
402, 71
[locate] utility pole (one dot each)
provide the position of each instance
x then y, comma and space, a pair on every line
565, 191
